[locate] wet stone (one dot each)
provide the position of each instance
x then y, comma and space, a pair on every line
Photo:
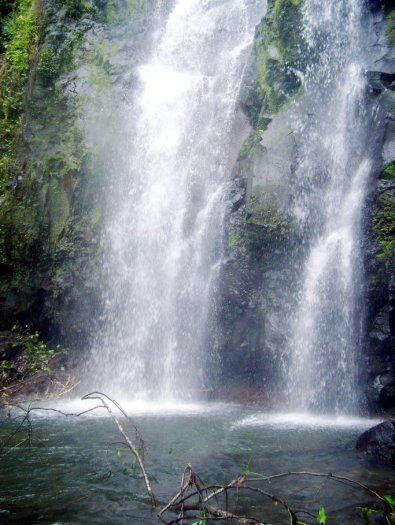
379, 442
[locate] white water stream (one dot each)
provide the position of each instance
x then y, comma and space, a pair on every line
331, 181
163, 242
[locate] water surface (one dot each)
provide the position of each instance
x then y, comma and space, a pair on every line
75, 473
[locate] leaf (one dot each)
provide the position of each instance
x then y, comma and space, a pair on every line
366, 512
321, 516
119, 454
390, 500
125, 471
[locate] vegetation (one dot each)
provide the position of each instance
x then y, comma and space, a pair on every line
20, 41
24, 355
390, 29
48, 210
384, 215
278, 54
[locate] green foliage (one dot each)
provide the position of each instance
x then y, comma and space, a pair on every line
321, 516
22, 31
388, 516
36, 354
389, 500
366, 512
6, 21
384, 215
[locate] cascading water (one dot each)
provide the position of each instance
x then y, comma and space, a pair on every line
329, 189
164, 237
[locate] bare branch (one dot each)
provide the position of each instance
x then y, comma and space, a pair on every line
341, 479
100, 396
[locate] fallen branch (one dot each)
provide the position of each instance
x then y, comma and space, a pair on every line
195, 496
102, 397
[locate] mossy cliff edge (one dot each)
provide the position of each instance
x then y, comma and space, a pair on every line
54, 63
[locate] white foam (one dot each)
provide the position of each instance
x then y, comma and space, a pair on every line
131, 408
304, 419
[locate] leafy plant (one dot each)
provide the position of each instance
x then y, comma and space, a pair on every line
321, 516
36, 355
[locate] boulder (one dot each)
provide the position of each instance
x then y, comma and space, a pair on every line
379, 442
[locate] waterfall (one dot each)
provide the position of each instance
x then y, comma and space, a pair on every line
163, 239
330, 184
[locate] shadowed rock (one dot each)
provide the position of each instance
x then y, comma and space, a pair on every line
379, 442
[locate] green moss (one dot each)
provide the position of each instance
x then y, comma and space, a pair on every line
263, 211
388, 173
41, 211
278, 54
115, 10
384, 216
58, 206
266, 230
390, 28
99, 60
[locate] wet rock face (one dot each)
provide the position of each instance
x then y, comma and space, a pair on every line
379, 442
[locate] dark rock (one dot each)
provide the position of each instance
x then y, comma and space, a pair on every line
375, 4
11, 345
378, 4
387, 394
379, 442
378, 81
237, 201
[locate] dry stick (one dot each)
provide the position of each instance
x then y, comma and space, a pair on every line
188, 468
75, 414
237, 484
202, 505
216, 514
99, 396
340, 479
172, 502
139, 437
214, 511
246, 520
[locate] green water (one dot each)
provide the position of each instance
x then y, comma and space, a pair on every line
74, 472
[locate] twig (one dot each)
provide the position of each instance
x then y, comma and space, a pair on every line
100, 396
341, 479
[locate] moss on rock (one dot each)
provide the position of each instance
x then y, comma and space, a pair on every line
49, 215
384, 215
278, 55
